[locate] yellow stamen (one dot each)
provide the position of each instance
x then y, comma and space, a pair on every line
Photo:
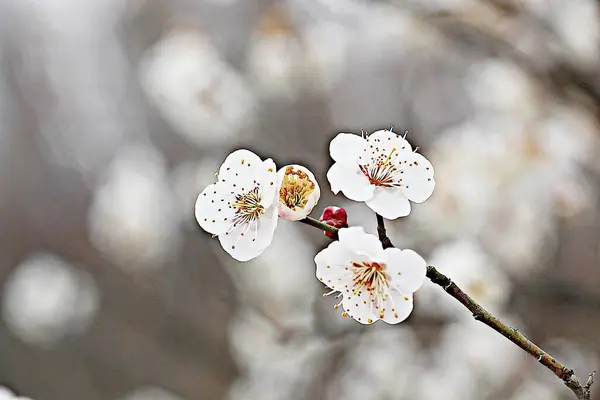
296, 188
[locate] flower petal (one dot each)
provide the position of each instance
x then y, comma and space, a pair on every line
384, 141
406, 269
356, 240
389, 203
350, 180
333, 266
241, 170
359, 307
268, 180
346, 147
398, 307
247, 241
266, 227
418, 178
212, 209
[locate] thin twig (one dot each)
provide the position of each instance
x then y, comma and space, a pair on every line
319, 225
481, 314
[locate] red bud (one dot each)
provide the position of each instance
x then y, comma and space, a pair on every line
334, 216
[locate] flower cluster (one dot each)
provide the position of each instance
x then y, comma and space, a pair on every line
243, 206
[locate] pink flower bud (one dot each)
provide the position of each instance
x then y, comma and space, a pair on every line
334, 216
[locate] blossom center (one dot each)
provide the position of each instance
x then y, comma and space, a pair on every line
247, 207
382, 170
371, 276
296, 188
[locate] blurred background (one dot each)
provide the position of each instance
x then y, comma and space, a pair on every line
114, 114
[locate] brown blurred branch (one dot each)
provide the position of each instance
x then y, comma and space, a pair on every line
484, 30
481, 314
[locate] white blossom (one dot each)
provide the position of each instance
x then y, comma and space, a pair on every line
374, 283
240, 207
299, 192
382, 170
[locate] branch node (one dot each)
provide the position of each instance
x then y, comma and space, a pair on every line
587, 389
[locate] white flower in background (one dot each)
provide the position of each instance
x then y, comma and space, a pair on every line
467, 183
276, 63
6, 394
196, 90
438, 6
134, 217
576, 34
498, 178
471, 361
284, 296
381, 170
579, 355
241, 206
252, 334
151, 393
473, 271
374, 283
577, 25
326, 46
75, 133
299, 192
286, 371
531, 389
46, 299
538, 384
501, 86
377, 366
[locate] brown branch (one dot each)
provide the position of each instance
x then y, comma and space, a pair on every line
482, 315
383, 238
